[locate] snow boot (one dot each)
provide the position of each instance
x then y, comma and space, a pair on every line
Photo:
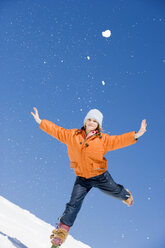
59, 235
129, 201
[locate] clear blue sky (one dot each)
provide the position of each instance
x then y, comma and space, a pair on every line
43, 63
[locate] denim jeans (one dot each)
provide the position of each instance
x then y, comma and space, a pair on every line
82, 186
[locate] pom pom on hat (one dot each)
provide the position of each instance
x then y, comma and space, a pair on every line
95, 114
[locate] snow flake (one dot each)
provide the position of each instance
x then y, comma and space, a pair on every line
81, 109
88, 57
103, 83
123, 236
106, 33
45, 62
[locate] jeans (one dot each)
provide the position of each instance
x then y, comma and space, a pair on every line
82, 186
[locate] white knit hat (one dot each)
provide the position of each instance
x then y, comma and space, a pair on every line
95, 114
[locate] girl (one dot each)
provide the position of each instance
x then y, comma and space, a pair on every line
86, 149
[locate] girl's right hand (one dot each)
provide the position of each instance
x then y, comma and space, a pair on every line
36, 115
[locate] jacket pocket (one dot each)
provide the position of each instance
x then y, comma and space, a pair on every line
75, 166
99, 166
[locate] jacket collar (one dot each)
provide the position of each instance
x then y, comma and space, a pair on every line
93, 133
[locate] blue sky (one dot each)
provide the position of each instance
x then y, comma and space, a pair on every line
44, 49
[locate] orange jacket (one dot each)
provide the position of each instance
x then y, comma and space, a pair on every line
87, 155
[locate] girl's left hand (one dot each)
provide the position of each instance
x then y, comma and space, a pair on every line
142, 129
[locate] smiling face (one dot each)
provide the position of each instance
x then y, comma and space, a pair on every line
91, 125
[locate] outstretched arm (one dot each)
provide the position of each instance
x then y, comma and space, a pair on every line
62, 134
36, 115
113, 142
142, 129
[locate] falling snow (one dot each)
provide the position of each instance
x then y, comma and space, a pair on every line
106, 33
123, 236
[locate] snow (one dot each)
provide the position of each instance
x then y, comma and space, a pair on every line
103, 83
106, 33
123, 236
19, 228
5, 243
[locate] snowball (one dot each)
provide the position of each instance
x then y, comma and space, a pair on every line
106, 33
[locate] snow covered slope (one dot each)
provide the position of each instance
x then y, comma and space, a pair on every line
21, 229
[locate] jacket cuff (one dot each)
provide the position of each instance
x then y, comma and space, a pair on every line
136, 138
41, 124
